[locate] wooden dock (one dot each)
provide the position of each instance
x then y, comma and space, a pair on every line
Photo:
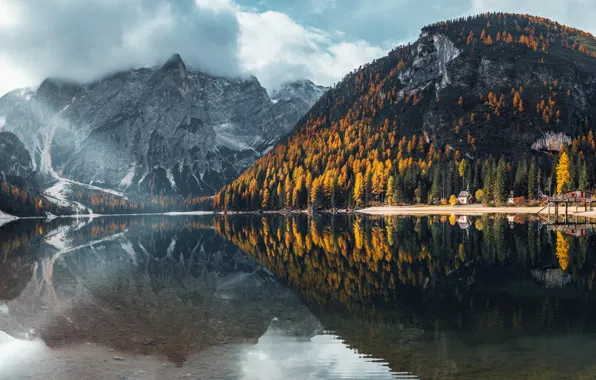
560, 203
573, 229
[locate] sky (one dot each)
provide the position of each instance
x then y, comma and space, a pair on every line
275, 40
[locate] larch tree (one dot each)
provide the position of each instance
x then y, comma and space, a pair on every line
359, 190
390, 190
563, 175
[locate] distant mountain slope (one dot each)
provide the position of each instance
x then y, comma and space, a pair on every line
165, 130
495, 84
19, 189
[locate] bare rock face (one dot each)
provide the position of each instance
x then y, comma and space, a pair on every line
153, 130
16, 166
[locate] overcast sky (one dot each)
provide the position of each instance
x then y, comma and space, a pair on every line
276, 40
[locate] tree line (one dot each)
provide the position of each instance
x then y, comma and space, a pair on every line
418, 173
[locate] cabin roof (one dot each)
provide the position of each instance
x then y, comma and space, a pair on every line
576, 190
464, 194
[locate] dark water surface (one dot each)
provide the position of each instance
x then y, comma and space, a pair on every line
272, 297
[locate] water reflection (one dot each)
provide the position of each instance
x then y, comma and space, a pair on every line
271, 297
461, 297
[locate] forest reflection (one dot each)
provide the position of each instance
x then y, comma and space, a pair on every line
439, 296
355, 259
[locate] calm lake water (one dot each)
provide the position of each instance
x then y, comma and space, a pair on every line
272, 297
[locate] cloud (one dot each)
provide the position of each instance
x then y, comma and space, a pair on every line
276, 356
84, 40
275, 49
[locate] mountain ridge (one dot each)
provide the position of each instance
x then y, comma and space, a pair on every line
160, 130
491, 85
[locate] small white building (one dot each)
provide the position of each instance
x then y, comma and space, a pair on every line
463, 222
465, 198
511, 198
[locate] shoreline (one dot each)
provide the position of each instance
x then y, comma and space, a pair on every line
447, 210
470, 210
460, 210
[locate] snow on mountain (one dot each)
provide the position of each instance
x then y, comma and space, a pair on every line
304, 90
153, 130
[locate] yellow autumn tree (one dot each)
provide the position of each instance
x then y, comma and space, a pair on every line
266, 199
359, 190
479, 196
562, 251
563, 176
462, 168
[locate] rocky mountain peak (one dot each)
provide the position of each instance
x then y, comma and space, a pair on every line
162, 130
302, 89
176, 65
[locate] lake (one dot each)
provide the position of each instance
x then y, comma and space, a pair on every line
274, 297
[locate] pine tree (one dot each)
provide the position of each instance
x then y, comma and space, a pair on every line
419, 193
532, 181
488, 175
280, 196
520, 182
399, 194
584, 183
500, 185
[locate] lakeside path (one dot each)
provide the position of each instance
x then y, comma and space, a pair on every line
463, 210
449, 210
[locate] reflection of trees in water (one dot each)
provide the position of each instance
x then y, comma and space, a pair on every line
166, 286
390, 287
358, 258
424, 293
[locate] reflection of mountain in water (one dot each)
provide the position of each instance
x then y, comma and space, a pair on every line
151, 285
433, 296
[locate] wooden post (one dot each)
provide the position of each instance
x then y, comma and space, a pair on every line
566, 210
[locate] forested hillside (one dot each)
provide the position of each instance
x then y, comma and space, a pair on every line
492, 103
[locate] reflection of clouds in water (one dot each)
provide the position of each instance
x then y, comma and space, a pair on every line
14, 353
277, 356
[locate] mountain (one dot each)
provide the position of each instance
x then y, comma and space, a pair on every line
490, 102
162, 130
304, 90
292, 100
20, 193
16, 166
